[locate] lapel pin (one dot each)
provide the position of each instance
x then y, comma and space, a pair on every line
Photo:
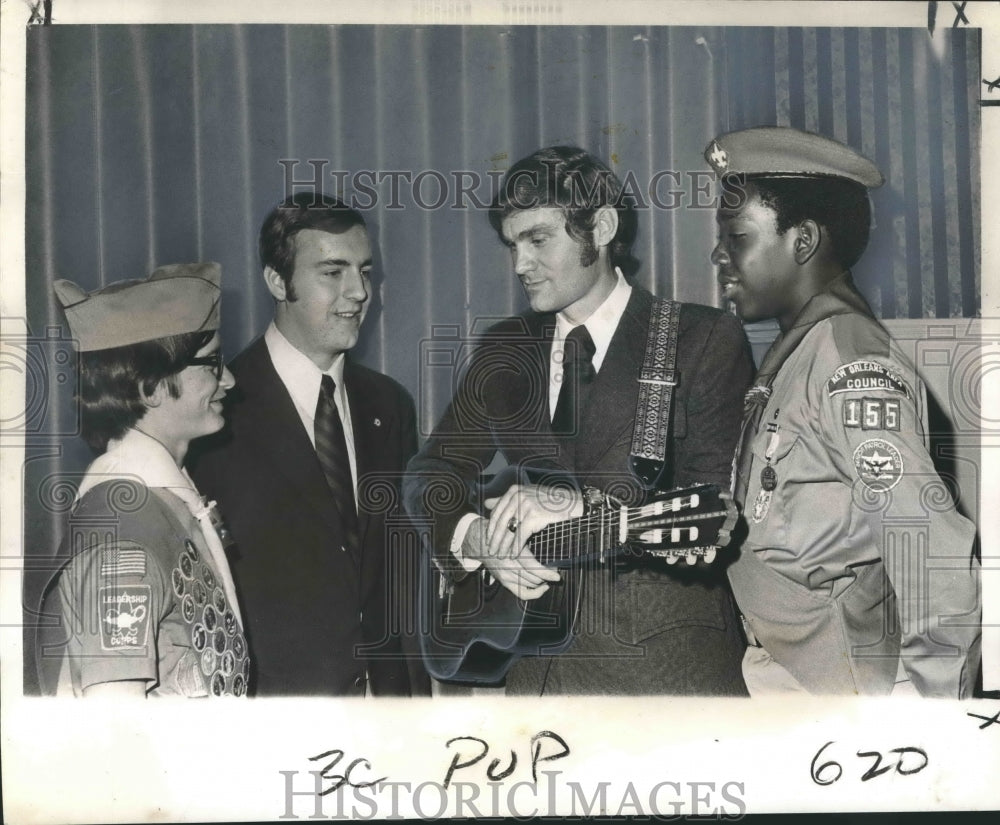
378, 422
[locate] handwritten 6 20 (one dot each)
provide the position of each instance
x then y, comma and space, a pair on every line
910, 761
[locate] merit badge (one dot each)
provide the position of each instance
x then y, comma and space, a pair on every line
246, 669
219, 641
189, 546
188, 608
208, 576
761, 505
211, 618
239, 646
239, 685
199, 592
879, 464
218, 684
865, 375
229, 622
187, 566
228, 663
124, 616
219, 599
208, 661
177, 581
199, 637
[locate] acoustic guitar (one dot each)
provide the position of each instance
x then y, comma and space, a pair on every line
474, 629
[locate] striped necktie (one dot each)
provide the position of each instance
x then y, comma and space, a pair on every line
331, 449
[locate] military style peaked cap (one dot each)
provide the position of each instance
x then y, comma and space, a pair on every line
779, 151
175, 299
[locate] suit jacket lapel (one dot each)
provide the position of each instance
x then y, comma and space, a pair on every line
613, 396
275, 425
367, 436
544, 448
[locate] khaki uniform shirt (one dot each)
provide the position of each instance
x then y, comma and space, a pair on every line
857, 556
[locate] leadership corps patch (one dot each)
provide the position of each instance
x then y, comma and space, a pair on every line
879, 464
859, 376
124, 616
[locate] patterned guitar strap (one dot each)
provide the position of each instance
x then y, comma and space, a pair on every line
657, 380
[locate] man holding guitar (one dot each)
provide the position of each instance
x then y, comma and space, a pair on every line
556, 392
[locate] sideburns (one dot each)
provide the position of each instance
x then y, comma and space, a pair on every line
588, 250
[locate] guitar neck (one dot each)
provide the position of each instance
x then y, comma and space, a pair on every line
595, 533
672, 524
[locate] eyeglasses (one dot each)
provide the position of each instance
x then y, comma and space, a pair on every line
213, 360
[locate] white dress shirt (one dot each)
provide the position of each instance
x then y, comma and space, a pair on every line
601, 325
302, 379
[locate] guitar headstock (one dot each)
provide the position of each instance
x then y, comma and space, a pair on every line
691, 522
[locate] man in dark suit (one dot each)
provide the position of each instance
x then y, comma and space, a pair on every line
308, 435
644, 626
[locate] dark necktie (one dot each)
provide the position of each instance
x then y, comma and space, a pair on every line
578, 374
331, 448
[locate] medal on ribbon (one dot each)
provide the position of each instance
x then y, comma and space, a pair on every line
768, 478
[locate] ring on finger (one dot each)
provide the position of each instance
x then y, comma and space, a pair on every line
512, 524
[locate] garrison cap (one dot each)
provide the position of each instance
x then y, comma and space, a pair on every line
175, 299
780, 151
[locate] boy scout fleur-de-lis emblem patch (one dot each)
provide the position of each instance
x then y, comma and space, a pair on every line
718, 158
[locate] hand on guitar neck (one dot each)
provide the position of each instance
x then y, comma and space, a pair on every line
527, 508
534, 547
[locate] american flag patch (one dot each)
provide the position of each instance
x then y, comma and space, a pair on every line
123, 560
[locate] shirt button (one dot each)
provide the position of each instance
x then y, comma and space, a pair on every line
343, 549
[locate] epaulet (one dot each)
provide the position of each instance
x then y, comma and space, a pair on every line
857, 336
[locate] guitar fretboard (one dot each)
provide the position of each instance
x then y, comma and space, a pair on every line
666, 521
579, 537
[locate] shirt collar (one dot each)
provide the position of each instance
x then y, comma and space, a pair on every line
140, 456
297, 372
603, 321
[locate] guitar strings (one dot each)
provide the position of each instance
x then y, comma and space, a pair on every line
553, 539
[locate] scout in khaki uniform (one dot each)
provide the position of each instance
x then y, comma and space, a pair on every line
848, 581
144, 603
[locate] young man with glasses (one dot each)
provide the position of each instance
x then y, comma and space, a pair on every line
145, 599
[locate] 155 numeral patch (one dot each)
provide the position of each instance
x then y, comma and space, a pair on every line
871, 414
